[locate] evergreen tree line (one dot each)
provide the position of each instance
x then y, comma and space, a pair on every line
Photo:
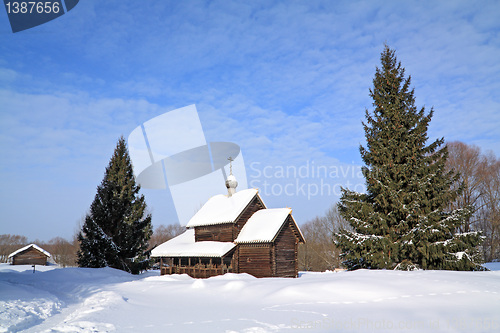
117, 230
479, 175
432, 206
406, 219
420, 209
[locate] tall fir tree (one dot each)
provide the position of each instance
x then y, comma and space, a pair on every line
402, 219
117, 228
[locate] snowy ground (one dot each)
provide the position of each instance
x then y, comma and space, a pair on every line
104, 300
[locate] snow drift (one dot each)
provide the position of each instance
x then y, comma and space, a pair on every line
106, 300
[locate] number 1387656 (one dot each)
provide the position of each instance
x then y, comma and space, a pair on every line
31, 7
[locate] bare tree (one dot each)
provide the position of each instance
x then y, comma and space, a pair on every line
470, 164
10, 243
316, 254
489, 214
163, 233
319, 253
63, 251
480, 179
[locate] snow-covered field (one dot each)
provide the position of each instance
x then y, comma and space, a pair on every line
104, 300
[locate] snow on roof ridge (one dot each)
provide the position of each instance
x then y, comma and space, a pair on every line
263, 225
222, 208
27, 247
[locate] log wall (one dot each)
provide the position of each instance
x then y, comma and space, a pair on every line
285, 252
29, 257
227, 232
255, 259
218, 233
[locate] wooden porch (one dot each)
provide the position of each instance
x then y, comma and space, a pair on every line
196, 267
197, 271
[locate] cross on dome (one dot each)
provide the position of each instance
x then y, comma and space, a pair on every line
230, 159
231, 182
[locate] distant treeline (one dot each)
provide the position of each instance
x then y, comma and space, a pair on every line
64, 251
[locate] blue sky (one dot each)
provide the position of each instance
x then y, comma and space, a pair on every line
287, 81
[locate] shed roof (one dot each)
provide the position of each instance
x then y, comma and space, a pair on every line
263, 226
27, 247
184, 245
222, 208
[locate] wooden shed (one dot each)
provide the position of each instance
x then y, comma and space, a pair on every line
29, 255
268, 244
234, 233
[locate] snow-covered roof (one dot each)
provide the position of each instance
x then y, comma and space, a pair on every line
263, 226
222, 209
27, 247
184, 245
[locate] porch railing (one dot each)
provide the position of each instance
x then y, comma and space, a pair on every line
197, 271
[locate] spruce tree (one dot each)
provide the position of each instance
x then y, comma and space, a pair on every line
117, 228
402, 219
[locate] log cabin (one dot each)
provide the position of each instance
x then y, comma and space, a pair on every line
29, 255
234, 233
